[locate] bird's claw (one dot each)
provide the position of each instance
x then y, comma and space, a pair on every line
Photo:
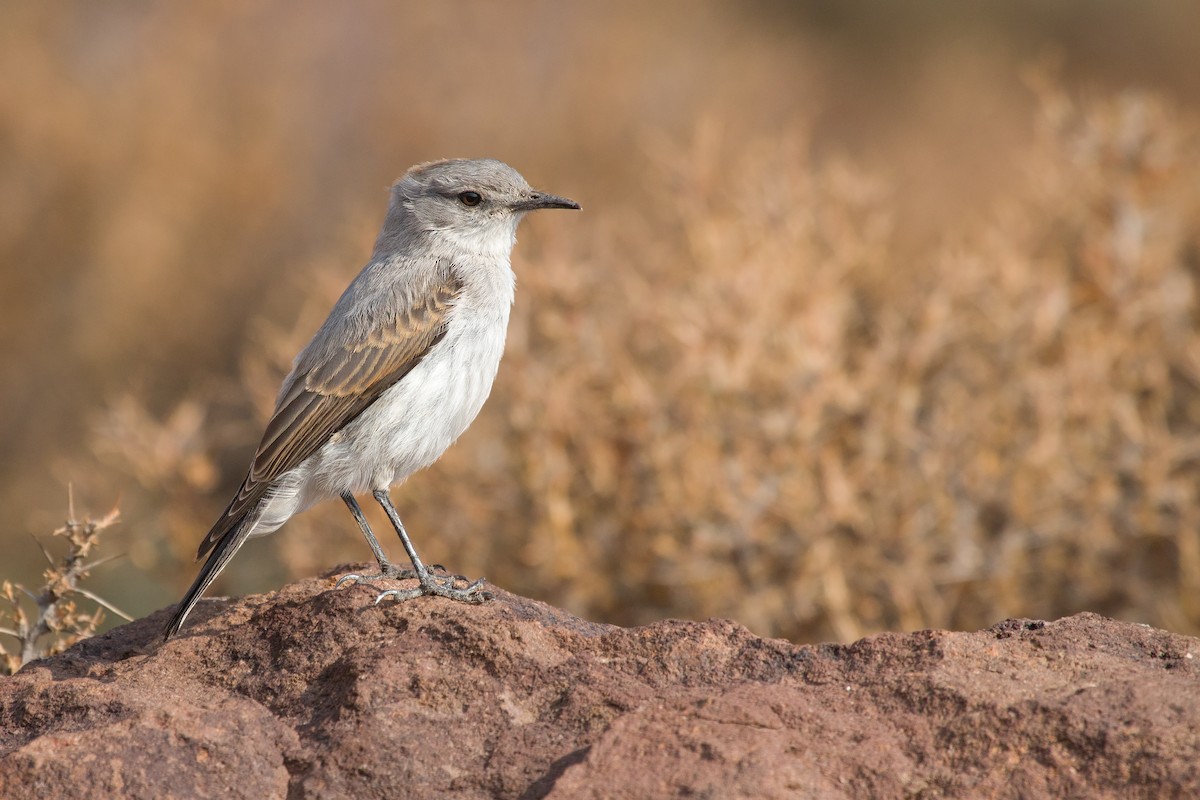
441, 586
352, 577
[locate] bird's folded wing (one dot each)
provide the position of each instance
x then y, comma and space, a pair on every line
333, 389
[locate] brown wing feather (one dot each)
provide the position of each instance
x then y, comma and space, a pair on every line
332, 392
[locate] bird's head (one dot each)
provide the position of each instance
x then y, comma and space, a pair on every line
473, 204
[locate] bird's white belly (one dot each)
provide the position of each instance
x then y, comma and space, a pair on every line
413, 422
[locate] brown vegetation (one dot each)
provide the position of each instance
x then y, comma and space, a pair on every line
45, 621
758, 378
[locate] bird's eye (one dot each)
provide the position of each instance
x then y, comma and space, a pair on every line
471, 198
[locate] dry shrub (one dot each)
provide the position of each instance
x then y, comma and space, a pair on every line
47, 620
750, 405
750, 402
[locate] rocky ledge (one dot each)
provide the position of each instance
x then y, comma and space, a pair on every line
312, 692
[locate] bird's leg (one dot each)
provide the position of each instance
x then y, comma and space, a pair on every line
386, 568
442, 586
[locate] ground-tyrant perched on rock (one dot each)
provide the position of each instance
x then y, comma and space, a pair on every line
397, 372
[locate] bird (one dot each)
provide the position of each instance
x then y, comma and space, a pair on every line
395, 374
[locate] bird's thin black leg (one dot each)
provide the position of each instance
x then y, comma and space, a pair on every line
361, 519
442, 586
386, 568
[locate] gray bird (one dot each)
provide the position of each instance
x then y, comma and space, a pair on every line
396, 373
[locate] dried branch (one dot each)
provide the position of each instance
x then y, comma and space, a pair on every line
57, 615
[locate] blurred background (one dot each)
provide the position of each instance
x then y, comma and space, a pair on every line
878, 317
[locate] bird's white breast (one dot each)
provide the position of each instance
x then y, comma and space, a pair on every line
413, 422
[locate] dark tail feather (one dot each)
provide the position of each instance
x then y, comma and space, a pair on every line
221, 555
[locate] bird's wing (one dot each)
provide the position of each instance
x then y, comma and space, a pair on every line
331, 387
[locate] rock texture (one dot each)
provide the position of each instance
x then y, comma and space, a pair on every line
312, 692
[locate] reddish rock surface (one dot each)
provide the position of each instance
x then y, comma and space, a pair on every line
312, 692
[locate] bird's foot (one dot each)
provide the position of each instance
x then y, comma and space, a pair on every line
386, 572
441, 586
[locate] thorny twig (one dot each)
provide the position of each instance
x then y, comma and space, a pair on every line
56, 611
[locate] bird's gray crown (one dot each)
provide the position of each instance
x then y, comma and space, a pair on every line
452, 176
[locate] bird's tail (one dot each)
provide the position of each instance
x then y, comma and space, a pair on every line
221, 555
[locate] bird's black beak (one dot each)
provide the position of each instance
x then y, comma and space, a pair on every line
542, 200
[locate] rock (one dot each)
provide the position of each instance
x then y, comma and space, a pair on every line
315, 692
